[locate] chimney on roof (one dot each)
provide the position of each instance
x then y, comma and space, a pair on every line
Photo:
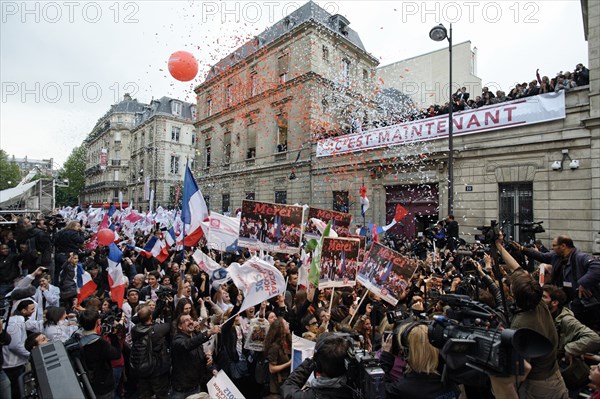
127, 97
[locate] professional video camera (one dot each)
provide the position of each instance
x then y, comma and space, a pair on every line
531, 227
469, 313
364, 376
489, 234
109, 321
166, 293
494, 352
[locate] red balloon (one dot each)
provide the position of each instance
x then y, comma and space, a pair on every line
106, 237
183, 66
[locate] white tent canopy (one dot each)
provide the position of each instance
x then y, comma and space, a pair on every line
35, 196
12, 196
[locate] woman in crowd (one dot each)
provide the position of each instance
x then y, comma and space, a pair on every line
57, 327
278, 350
421, 378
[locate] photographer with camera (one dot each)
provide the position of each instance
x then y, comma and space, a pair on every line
422, 378
329, 365
544, 380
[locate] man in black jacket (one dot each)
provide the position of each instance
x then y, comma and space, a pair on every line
328, 363
190, 365
157, 383
98, 354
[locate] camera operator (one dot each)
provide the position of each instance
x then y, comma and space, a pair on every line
544, 379
156, 382
329, 365
576, 272
421, 378
98, 354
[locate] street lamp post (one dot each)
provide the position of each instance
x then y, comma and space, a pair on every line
439, 33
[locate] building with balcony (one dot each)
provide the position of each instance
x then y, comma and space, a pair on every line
108, 154
161, 142
261, 107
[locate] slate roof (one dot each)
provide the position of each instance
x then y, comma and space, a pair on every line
308, 12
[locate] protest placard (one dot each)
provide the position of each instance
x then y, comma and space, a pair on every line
339, 262
385, 272
340, 222
271, 227
221, 387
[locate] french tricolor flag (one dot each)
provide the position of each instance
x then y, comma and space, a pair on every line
157, 248
170, 237
116, 280
193, 211
85, 284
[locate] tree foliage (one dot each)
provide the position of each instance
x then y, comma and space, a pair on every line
10, 174
73, 170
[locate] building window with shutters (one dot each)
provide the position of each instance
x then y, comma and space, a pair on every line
209, 107
253, 84
174, 165
283, 67
346, 72
341, 201
281, 197
251, 142
326, 53
225, 204
207, 153
175, 131
227, 148
282, 132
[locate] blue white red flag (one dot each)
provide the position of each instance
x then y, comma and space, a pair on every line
193, 210
116, 280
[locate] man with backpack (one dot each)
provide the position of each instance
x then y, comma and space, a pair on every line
97, 354
149, 359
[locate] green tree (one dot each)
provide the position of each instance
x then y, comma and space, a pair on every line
10, 175
73, 170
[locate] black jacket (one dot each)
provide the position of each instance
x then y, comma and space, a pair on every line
67, 241
415, 385
98, 356
292, 386
161, 330
188, 361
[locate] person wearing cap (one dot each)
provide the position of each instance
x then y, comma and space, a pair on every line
131, 302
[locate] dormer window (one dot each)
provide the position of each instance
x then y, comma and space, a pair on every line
176, 107
289, 23
193, 112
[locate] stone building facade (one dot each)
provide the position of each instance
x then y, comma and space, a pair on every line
108, 153
260, 107
161, 143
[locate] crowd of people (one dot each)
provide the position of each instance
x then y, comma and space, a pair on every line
190, 322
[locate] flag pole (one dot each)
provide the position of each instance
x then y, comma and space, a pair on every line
183, 241
364, 214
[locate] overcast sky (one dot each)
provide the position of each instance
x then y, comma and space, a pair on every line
64, 63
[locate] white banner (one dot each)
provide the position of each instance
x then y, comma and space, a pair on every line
221, 387
525, 111
223, 231
301, 349
257, 280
